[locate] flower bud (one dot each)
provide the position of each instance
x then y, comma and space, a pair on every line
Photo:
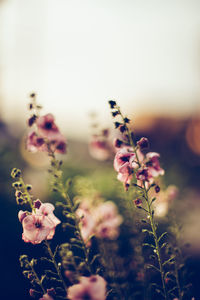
37, 203
157, 189
143, 143
138, 202
112, 103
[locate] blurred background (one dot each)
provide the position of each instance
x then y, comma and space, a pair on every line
76, 55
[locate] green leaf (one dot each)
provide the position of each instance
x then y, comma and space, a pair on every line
153, 200
163, 245
147, 231
169, 261
95, 258
149, 266
148, 245
161, 236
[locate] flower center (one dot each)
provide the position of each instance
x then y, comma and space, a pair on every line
38, 224
125, 158
48, 125
86, 296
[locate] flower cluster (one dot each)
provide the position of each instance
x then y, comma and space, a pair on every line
47, 135
102, 220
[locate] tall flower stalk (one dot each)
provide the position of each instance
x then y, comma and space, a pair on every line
138, 172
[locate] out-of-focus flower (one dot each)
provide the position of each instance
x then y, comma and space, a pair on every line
46, 209
87, 222
172, 192
108, 220
93, 288
100, 149
164, 199
102, 220
49, 295
37, 228
46, 297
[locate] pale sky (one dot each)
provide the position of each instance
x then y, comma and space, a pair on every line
78, 54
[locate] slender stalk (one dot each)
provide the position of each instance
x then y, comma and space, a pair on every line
37, 278
26, 193
64, 194
55, 263
177, 281
149, 210
153, 227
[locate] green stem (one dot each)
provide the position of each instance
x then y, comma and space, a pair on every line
149, 210
55, 263
37, 278
64, 194
177, 281
153, 227
27, 194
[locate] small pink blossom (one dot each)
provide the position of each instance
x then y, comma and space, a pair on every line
143, 174
35, 143
93, 288
124, 157
46, 209
47, 127
152, 162
37, 228
124, 164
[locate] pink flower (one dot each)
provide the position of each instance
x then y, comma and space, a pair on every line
35, 143
37, 228
108, 220
153, 164
46, 209
172, 192
143, 174
93, 288
124, 163
99, 150
46, 297
87, 222
47, 127
124, 158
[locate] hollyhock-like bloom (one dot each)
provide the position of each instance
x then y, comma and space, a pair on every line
93, 288
35, 143
107, 220
36, 228
46, 209
100, 149
47, 127
153, 164
124, 164
123, 158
